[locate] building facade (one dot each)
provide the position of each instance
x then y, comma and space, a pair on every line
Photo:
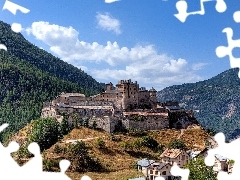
125, 104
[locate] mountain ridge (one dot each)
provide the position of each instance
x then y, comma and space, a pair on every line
214, 101
18, 46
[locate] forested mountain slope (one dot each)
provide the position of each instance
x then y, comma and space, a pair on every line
23, 89
216, 101
18, 46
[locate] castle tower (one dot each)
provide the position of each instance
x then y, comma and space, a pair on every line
109, 86
153, 97
129, 91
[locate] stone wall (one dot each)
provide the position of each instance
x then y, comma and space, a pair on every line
148, 123
106, 123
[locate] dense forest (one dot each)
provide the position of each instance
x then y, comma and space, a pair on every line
30, 76
215, 101
19, 47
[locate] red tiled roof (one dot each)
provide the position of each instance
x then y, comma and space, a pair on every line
171, 153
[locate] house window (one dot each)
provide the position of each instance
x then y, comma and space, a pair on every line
156, 172
164, 173
151, 172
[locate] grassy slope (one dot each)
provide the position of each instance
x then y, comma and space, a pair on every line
118, 161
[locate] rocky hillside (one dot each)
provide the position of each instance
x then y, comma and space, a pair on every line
215, 101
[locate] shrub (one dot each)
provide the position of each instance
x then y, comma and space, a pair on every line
50, 164
100, 143
160, 148
149, 142
177, 144
80, 159
58, 149
125, 145
94, 125
85, 122
45, 132
137, 144
137, 133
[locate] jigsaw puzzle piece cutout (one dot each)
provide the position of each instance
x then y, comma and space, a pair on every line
88, 178
63, 164
34, 166
221, 6
182, 7
3, 126
223, 176
2, 46
222, 51
182, 14
159, 178
228, 150
177, 171
12, 7
236, 16
9, 165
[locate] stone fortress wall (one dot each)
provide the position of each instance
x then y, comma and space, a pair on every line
127, 104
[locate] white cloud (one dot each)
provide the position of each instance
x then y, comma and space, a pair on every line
111, 1
198, 66
141, 63
106, 22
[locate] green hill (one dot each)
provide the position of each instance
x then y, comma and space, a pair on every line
23, 90
30, 76
215, 101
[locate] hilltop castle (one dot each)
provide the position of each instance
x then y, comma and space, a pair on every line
124, 105
127, 96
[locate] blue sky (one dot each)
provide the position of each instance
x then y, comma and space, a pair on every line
137, 39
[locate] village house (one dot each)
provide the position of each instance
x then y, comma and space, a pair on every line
160, 169
220, 163
143, 165
175, 156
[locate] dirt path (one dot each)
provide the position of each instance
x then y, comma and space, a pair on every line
179, 136
76, 140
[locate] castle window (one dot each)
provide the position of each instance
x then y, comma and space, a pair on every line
164, 173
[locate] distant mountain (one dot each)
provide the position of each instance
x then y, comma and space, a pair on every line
18, 46
215, 101
30, 76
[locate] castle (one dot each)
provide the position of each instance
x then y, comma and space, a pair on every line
124, 105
